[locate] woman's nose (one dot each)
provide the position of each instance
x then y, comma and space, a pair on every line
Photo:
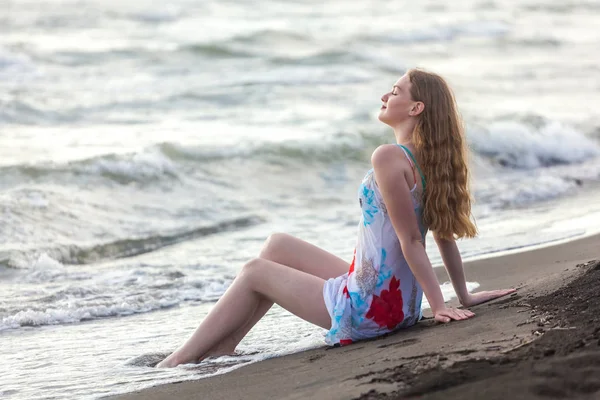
385, 97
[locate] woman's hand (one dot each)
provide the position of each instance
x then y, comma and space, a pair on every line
448, 314
481, 297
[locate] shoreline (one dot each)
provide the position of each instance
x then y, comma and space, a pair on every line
523, 249
355, 371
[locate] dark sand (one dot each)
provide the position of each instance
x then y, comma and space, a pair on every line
541, 342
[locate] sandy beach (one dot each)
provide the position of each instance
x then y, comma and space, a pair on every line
541, 341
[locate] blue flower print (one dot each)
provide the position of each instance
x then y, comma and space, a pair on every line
357, 301
357, 320
384, 272
359, 304
369, 208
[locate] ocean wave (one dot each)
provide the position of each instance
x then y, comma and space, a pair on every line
342, 147
215, 50
20, 112
271, 35
112, 293
514, 188
510, 144
44, 271
448, 33
14, 61
323, 57
241, 45
157, 15
143, 53
163, 161
562, 7
48, 269
72, 314
140, 167
381, 60
71, 311
300, 75
143, 167
516, 145
527, 190
15, 69
534, 42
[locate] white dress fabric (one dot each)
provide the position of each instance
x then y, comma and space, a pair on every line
379, 294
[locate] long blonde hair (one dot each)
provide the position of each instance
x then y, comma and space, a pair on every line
442, 154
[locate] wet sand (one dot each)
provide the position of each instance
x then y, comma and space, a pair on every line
543, 341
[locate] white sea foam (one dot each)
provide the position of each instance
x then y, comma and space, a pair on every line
37, 199
511, 144
14, 64
45, 262
381, 58
114, 293
74, 313
301, 75
140, 166
519, 146
542, 188
451, 32
45, 269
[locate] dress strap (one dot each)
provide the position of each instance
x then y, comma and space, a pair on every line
414, 161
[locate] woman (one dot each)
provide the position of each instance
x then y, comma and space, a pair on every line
417, 184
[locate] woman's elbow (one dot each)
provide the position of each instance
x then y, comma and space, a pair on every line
408, 242
439, 239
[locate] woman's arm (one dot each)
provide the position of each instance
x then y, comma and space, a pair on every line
391, 167
454, 266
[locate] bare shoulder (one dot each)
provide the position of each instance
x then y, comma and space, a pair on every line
391, 174
390, 158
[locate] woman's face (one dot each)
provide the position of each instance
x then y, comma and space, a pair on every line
398, 104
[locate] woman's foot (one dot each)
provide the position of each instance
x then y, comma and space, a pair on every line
172, 361
224, 349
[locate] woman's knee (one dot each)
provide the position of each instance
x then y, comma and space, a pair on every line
252, 270
274, 245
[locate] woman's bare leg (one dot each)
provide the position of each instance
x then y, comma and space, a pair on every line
294, 253
296, 291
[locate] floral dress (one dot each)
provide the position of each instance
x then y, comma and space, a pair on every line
379, 294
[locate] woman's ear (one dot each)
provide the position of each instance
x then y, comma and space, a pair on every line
417, 108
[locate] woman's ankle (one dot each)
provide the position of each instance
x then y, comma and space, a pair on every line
220, 351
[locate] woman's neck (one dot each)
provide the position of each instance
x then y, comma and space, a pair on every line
404, 132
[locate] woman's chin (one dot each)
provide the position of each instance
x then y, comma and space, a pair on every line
382, 117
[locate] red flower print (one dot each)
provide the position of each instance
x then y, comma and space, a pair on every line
346, 292
352, 264
386, 309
